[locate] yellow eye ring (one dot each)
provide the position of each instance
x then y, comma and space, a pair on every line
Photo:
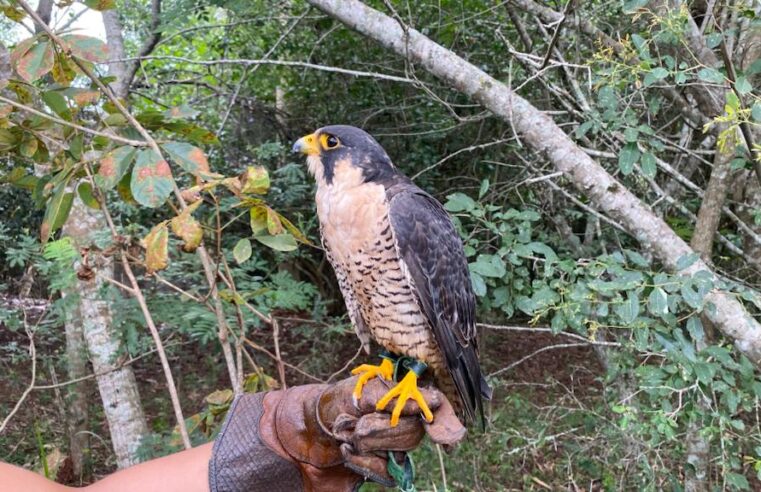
329, 141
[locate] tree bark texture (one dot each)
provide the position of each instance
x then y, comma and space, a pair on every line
77, 413
117, 384
541, 133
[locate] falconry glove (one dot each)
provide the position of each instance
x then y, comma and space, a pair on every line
313, 438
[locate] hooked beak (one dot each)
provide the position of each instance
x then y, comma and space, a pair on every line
307, 145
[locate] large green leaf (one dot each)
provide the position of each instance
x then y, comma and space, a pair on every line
36, 62
281, 242
56, 212
113, 166
152, 181
86, 48
190, 158
57, 103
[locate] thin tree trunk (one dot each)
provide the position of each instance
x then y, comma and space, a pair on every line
77, 412
117, 385
541, 133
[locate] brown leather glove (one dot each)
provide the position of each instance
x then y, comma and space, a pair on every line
313, 438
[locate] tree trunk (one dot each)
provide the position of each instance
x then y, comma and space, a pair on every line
117, 385
540, 132
77, 412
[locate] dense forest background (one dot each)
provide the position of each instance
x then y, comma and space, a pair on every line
159, 248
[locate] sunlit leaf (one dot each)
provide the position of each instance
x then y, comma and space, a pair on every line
156, 245
242, 251
36, 62
281, 242
114, 166
86, 48
190, 158
152, 181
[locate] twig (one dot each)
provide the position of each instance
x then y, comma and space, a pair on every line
115, 138
25, 394
539, 329
536, 352
744, 127
556, 35
285, 63
347, 365
97, 375
278, 358
272, 356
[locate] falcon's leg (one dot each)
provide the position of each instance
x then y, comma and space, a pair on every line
368, 371
404, 390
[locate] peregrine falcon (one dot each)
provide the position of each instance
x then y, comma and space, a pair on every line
400, 267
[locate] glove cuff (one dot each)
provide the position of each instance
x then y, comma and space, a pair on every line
241, 461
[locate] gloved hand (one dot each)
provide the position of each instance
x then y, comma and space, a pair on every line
313, 438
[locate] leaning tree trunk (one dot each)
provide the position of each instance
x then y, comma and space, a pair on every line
116, 382
541, 133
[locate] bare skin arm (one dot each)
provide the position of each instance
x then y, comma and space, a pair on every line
186, 471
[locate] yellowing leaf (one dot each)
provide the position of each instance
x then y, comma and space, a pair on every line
190, 158
188, 229
258, 218
156, 245
36, 62
152, 181
86, 48
100, 5
255, 180
113, 166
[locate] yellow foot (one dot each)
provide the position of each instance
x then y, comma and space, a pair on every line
368, 371
406, 389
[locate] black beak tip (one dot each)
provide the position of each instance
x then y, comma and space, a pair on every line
296, 148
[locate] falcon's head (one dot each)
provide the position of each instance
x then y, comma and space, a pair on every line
344, 155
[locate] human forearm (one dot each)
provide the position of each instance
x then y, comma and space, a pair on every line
186, 471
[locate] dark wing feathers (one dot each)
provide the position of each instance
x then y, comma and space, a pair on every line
432, 251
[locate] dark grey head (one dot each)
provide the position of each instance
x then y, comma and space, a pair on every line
330, 145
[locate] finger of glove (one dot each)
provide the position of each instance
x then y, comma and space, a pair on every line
373, 432
343, 427
375, 389
446, 429
370, 466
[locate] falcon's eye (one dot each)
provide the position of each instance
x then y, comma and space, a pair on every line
330, 141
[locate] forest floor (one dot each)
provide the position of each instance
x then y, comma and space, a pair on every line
544, 415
